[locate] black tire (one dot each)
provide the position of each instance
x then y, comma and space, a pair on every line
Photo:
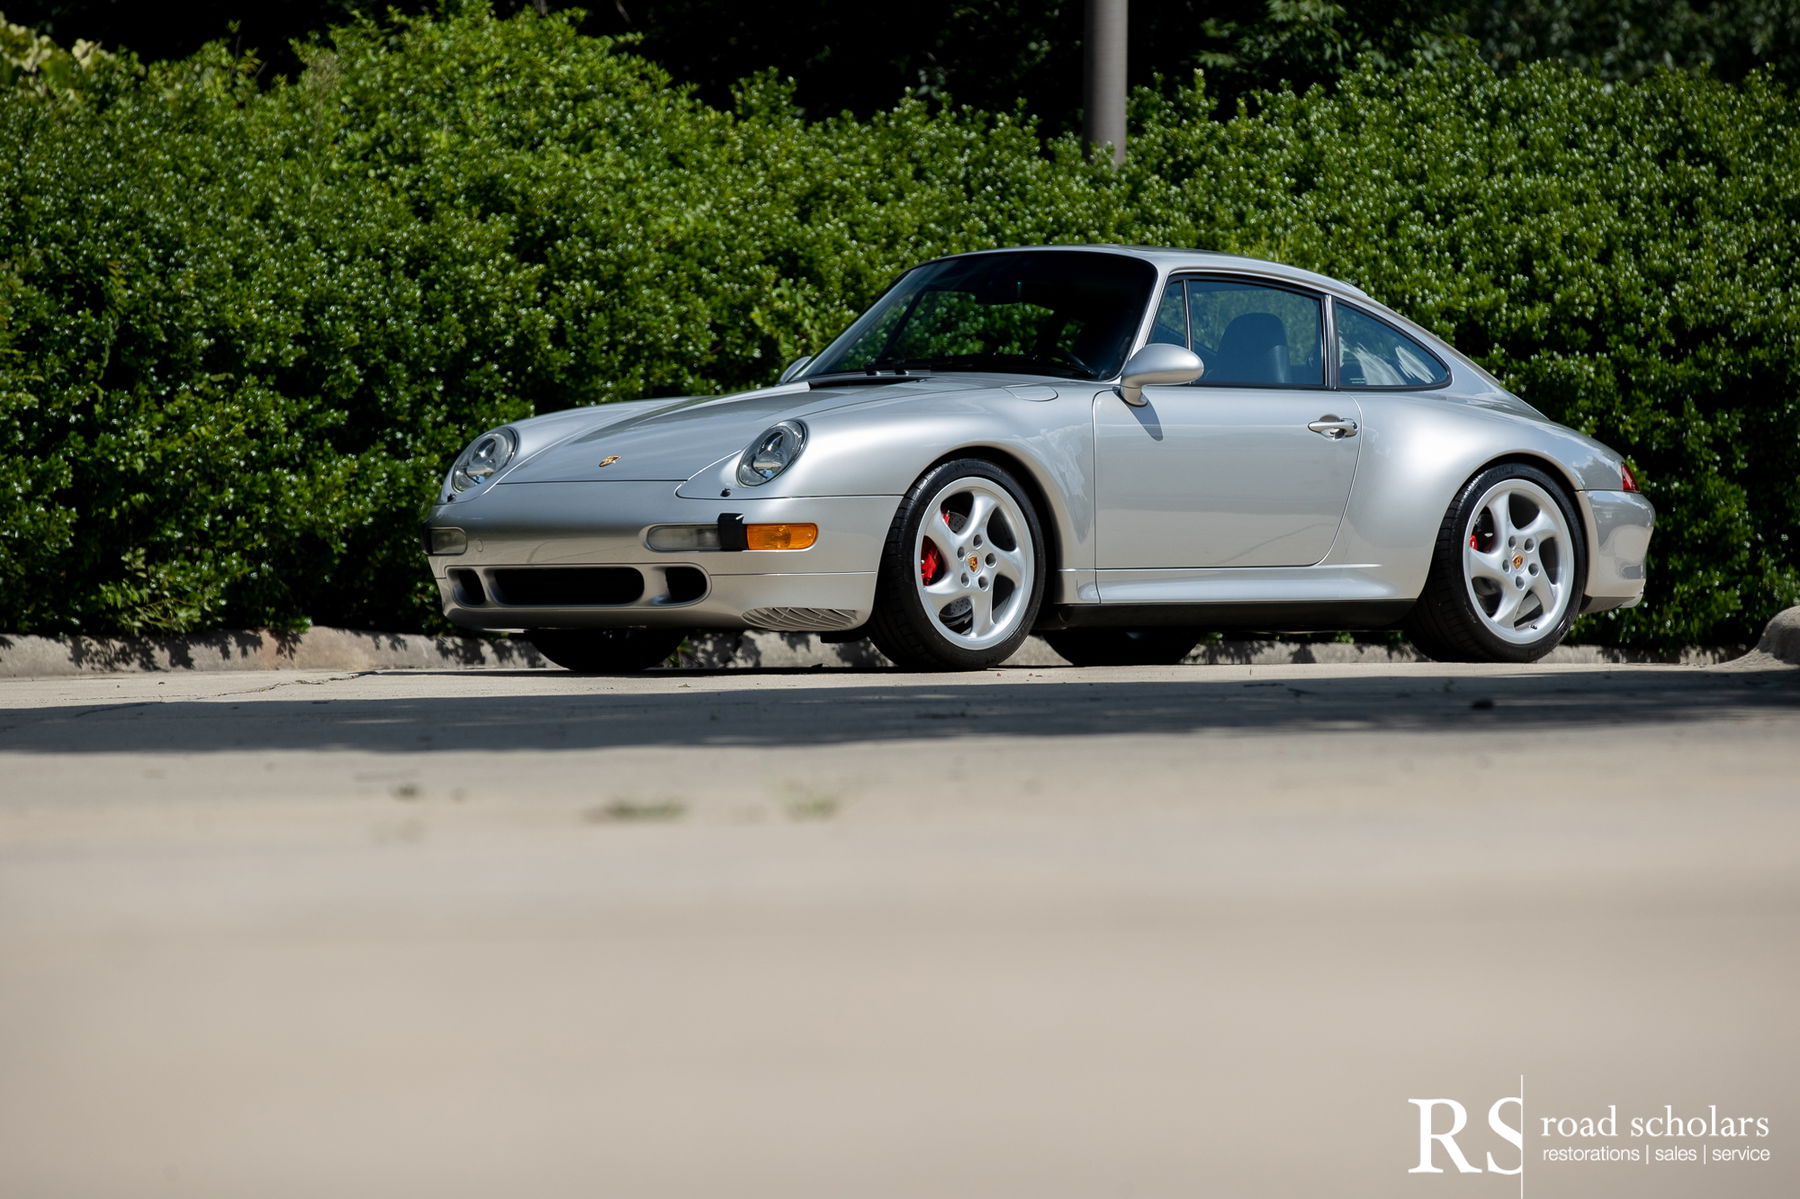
1123, 647
962, 571
1502, 594
606, 651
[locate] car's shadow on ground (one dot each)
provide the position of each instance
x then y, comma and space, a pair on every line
669, 710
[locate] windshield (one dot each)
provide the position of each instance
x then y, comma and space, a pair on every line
1066, 313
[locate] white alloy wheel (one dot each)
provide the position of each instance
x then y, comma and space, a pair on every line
975, 565
1507, 571
1519, 561
962, 574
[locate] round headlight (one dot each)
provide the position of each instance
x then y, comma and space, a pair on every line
483, 459
771, 453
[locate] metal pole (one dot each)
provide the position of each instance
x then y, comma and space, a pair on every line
1103, 74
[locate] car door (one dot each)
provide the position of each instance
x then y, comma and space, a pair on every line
1248, 466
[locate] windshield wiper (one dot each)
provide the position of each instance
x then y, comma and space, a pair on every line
871, 375
1033, 364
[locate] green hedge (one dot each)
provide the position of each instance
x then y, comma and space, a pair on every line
242, 327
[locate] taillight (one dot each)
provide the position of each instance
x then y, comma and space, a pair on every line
1630, 483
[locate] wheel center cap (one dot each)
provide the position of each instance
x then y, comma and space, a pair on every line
1518, 561
973, 561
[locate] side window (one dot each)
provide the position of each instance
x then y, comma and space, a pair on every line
1254, 336
1372, 353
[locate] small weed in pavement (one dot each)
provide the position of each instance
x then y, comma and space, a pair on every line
624, 811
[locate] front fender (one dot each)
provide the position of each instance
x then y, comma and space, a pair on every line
1042, 433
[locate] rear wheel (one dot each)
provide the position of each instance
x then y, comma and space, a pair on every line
1123, 647
962, 571
606, 651
1506, 572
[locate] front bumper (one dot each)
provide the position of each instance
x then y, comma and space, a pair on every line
1619, 524
575, 555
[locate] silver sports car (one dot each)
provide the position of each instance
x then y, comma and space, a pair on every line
1118, 448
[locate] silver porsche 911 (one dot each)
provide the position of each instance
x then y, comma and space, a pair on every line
1121, 449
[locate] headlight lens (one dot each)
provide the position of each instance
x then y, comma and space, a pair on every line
771, 453
483, 459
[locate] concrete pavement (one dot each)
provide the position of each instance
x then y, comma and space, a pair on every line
1030, 932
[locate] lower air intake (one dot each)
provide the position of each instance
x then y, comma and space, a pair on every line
568, 586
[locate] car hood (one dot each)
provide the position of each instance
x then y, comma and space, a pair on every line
677, 441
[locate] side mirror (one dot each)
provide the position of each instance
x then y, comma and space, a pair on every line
795, 367
1158, 365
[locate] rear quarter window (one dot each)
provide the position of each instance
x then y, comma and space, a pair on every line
1372, 353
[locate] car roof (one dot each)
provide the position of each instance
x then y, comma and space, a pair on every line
1166, 259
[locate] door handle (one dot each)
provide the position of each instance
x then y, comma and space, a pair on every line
1334, 427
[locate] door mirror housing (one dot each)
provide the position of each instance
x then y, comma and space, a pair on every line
1158, 365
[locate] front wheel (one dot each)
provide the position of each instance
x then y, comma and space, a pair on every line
1123, 647
962, 572
1506, 571
606, 651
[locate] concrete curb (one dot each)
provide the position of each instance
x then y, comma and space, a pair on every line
257, 649
23, 657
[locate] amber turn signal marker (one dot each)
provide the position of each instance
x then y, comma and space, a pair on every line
780, 537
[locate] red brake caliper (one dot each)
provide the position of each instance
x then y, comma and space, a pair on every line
931, 563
